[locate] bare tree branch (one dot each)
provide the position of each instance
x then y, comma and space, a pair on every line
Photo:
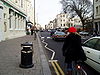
82, 8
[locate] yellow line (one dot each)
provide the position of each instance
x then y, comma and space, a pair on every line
55, 68
62, 73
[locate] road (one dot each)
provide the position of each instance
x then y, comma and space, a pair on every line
57, 47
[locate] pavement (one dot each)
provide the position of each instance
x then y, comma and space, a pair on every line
10, 57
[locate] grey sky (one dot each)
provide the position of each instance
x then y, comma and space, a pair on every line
47, 10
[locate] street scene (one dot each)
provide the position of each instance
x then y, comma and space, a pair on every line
50, 37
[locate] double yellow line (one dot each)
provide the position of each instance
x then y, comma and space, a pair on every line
57, 68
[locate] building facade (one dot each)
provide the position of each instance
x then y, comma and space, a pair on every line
97, 15
50, 25
75, 22
13, 16
62, 20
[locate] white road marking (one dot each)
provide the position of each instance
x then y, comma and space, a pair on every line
48, 37
42, 37
49, 50
53, 60
84, 71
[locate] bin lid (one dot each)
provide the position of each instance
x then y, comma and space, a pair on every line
27, 44
27, 48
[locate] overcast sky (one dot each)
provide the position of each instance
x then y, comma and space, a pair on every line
47, 10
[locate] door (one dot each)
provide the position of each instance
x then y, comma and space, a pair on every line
92, 50
97, 55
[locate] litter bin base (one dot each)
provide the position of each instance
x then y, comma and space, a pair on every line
26, 66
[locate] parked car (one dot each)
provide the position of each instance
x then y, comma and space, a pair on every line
52, 32
84, 33
92, 49
58, 35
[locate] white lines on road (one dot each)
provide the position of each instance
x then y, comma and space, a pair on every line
49, 49
46, 37
54, 63
84, 71
42, 37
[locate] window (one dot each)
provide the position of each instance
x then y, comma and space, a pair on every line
9, 21
5, 15
21, 3
63, 15
97, 10
97, 46
96, 0
91, 43
1, 7
16, 1
64, 20
5, 26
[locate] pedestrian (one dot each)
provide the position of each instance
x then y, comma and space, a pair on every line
32, 29
72, 50
95, 33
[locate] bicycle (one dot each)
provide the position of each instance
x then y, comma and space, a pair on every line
77, 69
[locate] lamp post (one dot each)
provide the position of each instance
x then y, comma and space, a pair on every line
93, 16
34, 12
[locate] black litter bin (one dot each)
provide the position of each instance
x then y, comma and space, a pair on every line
26, 57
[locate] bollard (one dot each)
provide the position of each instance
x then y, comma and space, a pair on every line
26, 56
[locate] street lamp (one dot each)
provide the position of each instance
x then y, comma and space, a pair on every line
93, 16
34, 12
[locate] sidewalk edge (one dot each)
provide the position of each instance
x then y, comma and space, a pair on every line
45, 65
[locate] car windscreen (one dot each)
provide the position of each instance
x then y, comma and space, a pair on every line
60, 33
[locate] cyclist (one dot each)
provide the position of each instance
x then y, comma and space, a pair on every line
72, 50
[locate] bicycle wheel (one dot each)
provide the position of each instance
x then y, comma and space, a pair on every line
78, 71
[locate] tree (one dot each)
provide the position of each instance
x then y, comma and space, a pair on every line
81, 8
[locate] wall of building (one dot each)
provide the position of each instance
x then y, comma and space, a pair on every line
13, 21
1, 21
97, 15
62, 20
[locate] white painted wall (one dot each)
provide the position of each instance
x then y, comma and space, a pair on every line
1, 21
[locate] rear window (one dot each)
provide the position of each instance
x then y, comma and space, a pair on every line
60, 33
